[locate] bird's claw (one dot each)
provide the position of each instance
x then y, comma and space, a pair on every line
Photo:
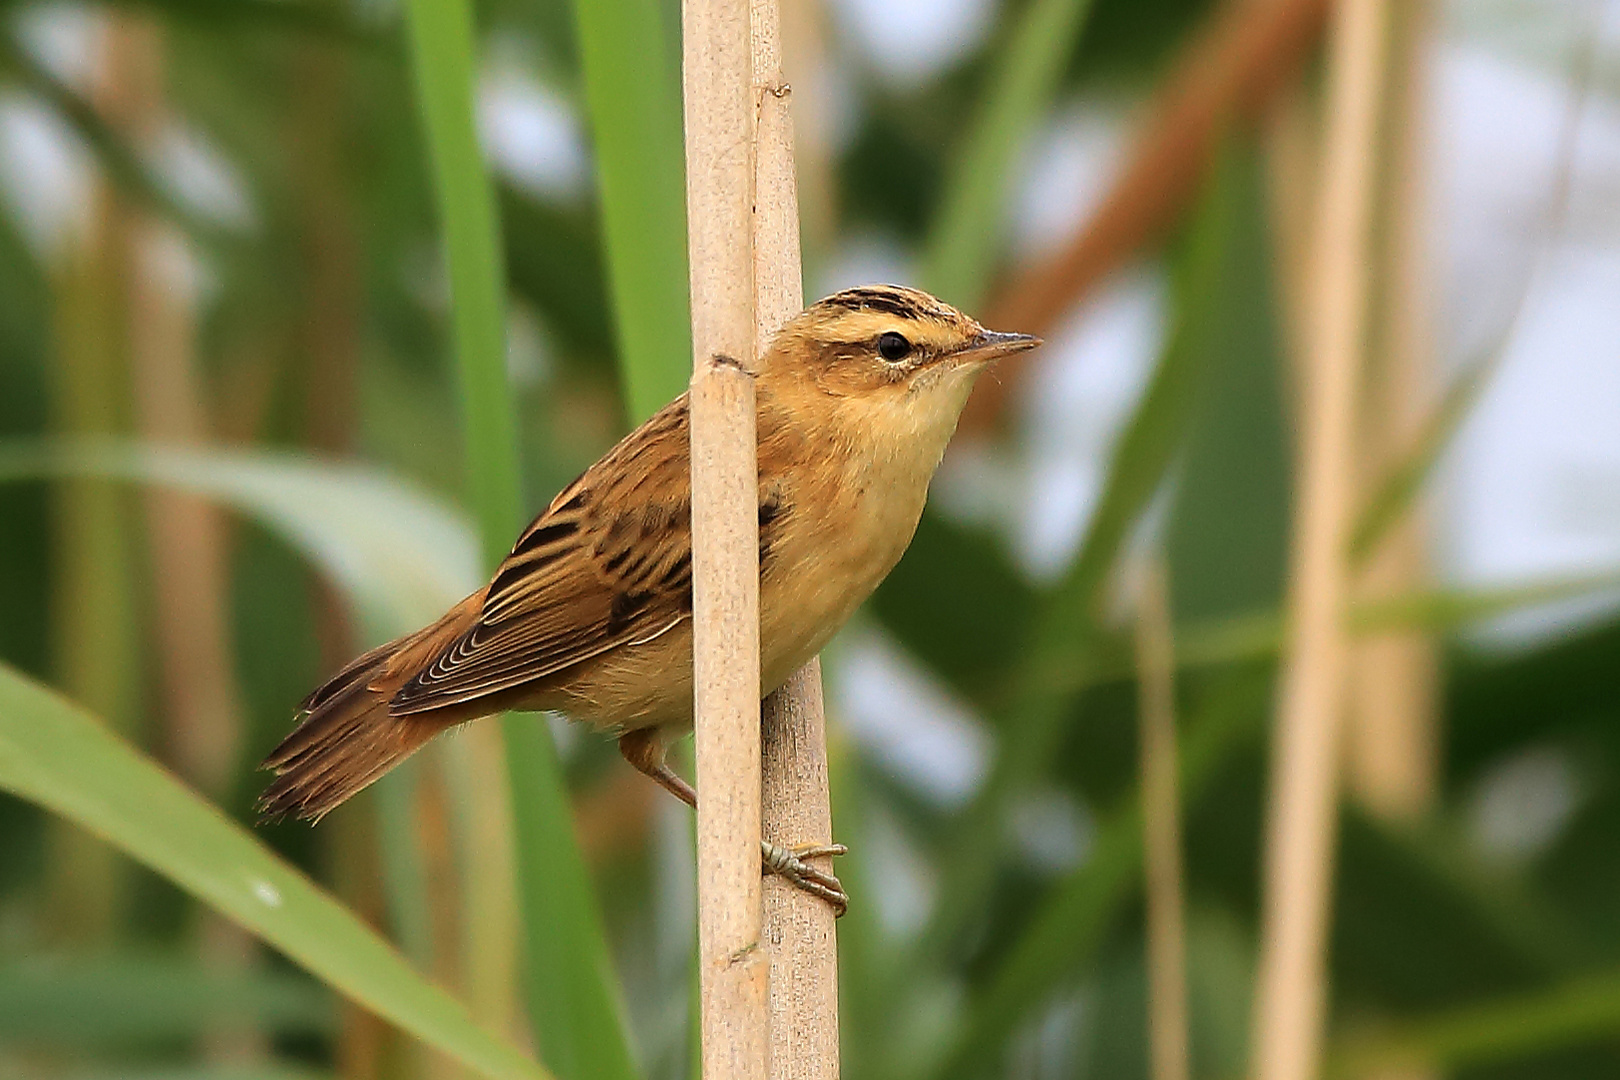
790, 864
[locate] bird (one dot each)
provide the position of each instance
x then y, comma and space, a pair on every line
590, 614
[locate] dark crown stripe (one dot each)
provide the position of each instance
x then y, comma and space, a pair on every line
900, 304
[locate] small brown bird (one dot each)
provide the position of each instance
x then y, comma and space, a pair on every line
590, 613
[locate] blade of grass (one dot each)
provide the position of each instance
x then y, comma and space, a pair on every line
1257, 635
400, 555
444, 59
1582, 1010
573, 1001
63, 759
628, 59
401, 558
962, 251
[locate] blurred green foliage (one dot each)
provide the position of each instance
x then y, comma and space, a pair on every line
1000, 962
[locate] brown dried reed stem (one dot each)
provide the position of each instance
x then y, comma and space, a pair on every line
1161, 825
799, 930
1393, 740
202, 713
734, 970
742, 209
1291, 991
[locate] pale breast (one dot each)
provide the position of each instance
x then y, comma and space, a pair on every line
839, 540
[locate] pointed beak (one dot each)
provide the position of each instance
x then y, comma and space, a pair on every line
993, 345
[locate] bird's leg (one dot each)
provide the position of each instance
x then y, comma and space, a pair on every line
645, 750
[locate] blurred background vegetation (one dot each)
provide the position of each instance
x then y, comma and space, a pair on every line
240, 252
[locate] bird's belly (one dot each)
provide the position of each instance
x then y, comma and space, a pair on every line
630, 687
650, 684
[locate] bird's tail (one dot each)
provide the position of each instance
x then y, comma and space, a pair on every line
346, 738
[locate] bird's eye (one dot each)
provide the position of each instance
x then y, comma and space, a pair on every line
893, 347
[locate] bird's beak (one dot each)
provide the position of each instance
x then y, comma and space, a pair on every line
992, 345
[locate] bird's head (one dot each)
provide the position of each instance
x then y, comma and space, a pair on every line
884, 355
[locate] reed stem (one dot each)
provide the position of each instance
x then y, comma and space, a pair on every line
733, 970
1291, 990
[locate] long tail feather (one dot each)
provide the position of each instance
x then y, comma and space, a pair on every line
346, 737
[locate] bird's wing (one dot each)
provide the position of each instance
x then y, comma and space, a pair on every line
608, 563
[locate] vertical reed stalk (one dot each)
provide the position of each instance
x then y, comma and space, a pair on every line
815, 182
189, 553
328, 337
1291, 991
799, 928
94, 645
733, 970
1161, 826
1393, 746
202, 714
1393, 740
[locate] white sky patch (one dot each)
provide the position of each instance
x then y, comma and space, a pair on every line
528, 346
865, 260
66, 39
1521, 806
906, 720
1051, 829
904, 886
1068, 169
198, 173
531, 133
46, 174
904, 43
1531, 486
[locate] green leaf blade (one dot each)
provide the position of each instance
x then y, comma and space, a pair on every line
61, 758
634, 94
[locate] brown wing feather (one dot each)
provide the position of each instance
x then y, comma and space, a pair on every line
607, 564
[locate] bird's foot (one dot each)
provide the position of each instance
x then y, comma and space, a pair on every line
790, 864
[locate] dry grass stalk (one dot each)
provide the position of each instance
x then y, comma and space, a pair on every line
1393, 749
799, 931
725, 591
1291, 991
188, 543
1394, 741
719, 112
1161, 826
799, 928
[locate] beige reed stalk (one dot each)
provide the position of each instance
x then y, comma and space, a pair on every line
1161, 825
1393, 744
734, 971
799, 928
1291, 991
